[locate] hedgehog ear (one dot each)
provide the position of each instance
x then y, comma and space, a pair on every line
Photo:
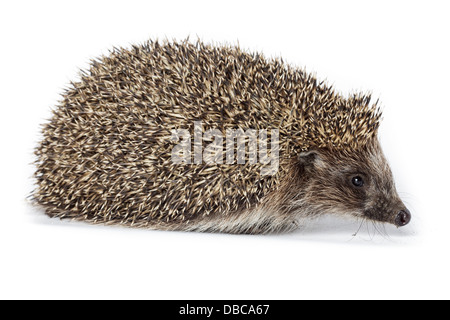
309, 158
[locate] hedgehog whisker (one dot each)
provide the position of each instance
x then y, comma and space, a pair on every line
375, 225
359, 228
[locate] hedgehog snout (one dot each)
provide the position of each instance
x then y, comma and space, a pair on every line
403, 218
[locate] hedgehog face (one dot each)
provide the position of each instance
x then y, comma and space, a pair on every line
357, 182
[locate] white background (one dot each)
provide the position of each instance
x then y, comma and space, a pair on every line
399, 50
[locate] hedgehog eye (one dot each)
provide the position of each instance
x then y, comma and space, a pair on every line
358, 181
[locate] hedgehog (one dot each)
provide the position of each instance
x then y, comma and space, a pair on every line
139, 140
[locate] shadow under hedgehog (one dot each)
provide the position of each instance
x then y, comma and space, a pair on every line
107, 152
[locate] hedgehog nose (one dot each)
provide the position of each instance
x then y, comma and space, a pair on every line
403, 218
